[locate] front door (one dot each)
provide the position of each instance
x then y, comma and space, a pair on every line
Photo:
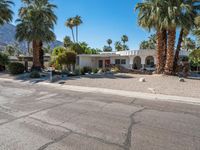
107, 63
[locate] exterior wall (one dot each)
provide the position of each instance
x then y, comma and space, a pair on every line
121, 57
85, 61
93, 60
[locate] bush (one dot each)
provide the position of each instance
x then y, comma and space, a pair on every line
35, 74
85, 70
16, 68
77, 72
95, 70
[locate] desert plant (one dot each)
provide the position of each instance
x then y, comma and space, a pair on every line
95, 70
16, 68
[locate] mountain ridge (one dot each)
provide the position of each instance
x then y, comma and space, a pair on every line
7, 37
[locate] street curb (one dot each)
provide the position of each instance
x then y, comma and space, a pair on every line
130, 94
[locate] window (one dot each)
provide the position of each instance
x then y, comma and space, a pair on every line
123, 61
100, 63
117, 61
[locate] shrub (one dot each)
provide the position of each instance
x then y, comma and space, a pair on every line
95, 70
35, 74
16, 68
86, 70
4, 60
77, 72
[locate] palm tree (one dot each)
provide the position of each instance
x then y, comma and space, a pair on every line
109, 41
188, 22
124, 39
188, 44
150, 16
70, 24
36, 22
118, 46
77, 22
5, 11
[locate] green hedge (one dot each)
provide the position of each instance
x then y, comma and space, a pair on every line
16, 68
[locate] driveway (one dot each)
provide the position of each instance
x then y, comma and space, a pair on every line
36, 117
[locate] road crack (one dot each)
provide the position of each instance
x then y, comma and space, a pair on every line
127, 143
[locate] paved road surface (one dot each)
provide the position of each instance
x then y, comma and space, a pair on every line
34, 117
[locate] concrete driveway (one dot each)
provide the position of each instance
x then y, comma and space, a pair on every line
34, 117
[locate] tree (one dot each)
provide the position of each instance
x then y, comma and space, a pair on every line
188, 44
36, 23
118, 46
77, 22
187, 18
77, 48
194, 58
150, 16
107, 49
150, 43
9, 50
5, 11
67, 58
124, 39
67, 41
70, 24
4, 60
109, 41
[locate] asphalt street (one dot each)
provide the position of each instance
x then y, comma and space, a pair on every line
36, 117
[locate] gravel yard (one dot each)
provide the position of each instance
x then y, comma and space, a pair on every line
157, 84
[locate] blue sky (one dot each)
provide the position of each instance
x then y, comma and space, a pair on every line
102, 19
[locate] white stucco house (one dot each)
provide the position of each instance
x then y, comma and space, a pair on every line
133, 59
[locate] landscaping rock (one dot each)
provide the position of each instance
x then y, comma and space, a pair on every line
142, 80
181, 80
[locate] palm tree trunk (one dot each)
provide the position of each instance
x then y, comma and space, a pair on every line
77, 34
170, 51
73, 35
164, 32
159, 66
36, 56
41, 54
176, 58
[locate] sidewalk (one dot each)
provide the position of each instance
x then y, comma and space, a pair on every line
132, 94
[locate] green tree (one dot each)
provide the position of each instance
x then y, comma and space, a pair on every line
4, 60
109, 41
187, 23
194, 58
70, 24
124, 39
5, 11
77, 22
67, 41
36, 23
188, 44
118, 46
107, 49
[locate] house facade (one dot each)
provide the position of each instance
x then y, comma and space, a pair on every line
133, 59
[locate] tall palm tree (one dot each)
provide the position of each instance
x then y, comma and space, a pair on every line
150, 16
124, 39
109, 41
188, 22
77, 22
70, 24
36, 23
5, 11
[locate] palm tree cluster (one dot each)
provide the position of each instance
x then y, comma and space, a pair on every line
118, 45
74, 22
166, 16
35, 24
5, 11
150, 43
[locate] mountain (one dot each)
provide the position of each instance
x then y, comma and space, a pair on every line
7, 37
